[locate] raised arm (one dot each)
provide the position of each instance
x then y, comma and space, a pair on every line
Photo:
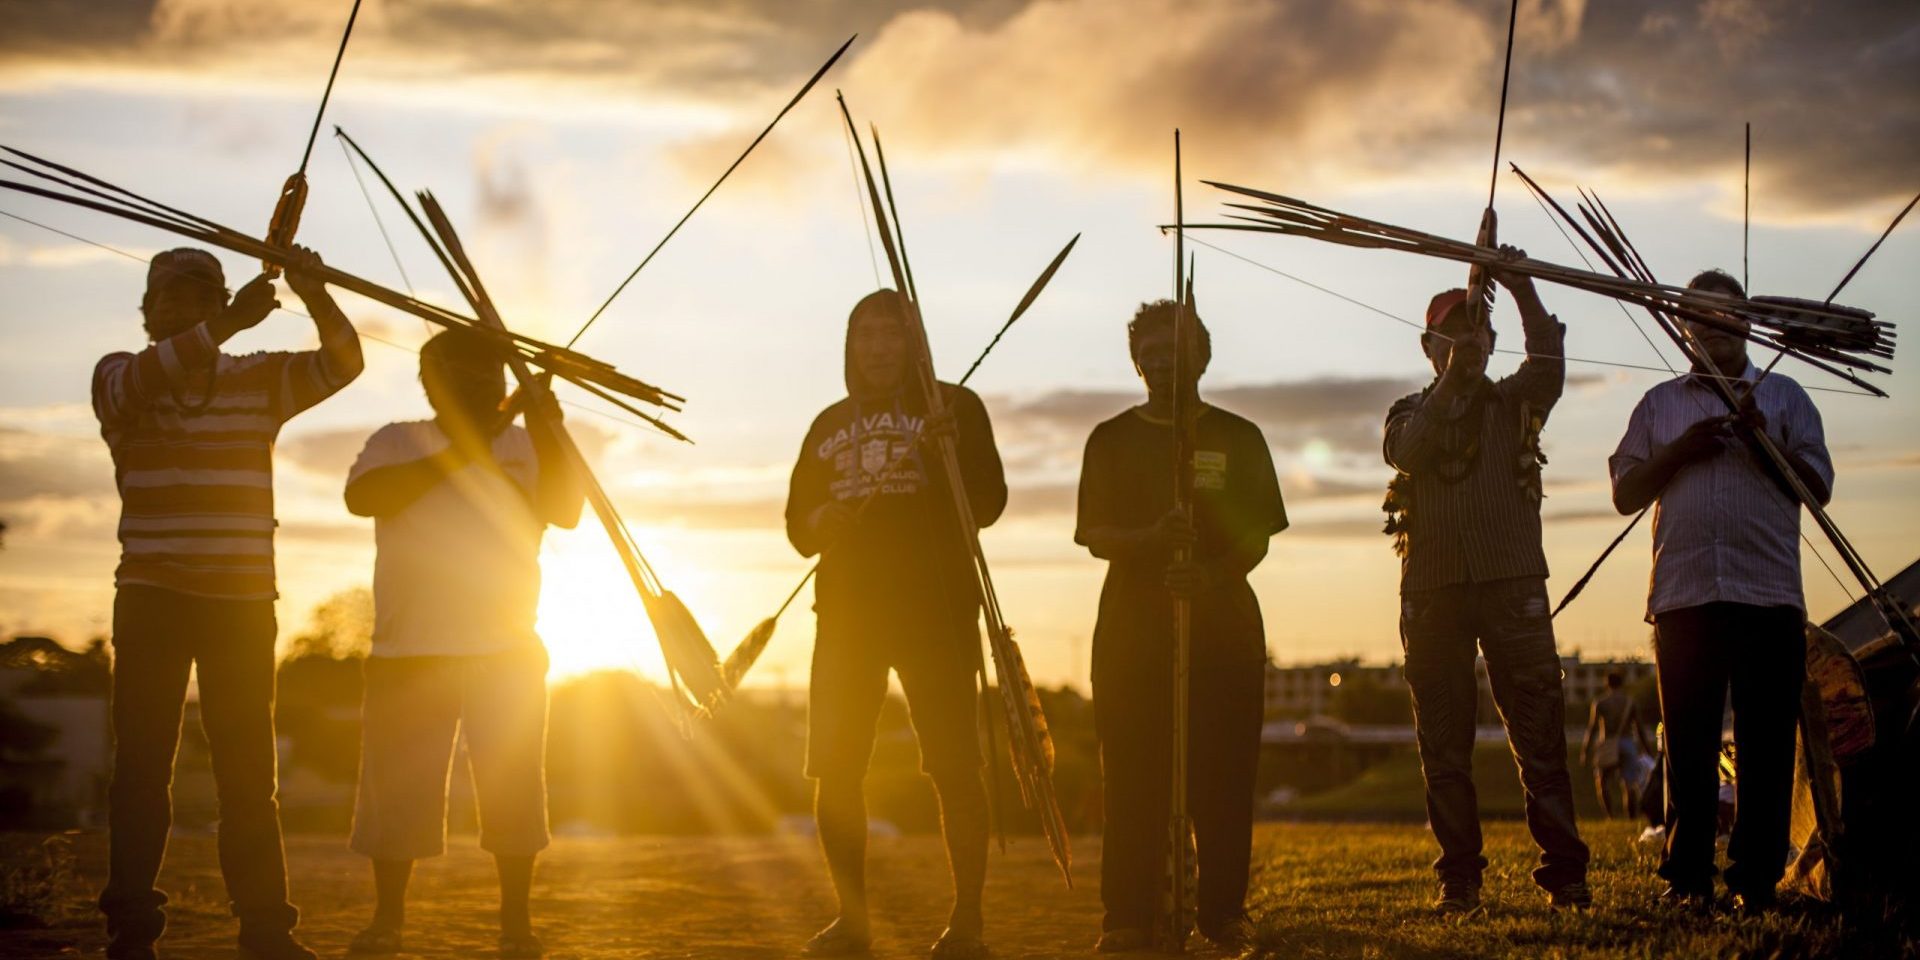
127, 384
1543, 374
315, 375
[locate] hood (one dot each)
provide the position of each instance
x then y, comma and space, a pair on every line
857, 387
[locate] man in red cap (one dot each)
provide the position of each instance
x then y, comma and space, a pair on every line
191, 431
1464, 510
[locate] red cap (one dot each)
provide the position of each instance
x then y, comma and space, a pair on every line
1443, 304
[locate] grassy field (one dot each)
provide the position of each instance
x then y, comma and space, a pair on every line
1392, 790
1321, 891
1360, 891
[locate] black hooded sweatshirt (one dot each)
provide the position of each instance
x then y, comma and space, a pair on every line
904, 562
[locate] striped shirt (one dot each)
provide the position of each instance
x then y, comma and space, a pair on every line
1479, 520
1723, 530
191, 431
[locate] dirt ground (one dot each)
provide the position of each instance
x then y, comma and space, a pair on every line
757, 897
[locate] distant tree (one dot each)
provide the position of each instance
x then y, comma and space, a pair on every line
341, 627
319, 686
58, 670
1367, 701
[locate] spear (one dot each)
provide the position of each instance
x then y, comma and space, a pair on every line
692, 667
1182, 873
1028, 739
817, 74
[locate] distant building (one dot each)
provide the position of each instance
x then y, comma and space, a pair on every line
1313, 690
57, 752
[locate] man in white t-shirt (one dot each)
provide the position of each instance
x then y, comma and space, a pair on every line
459, 505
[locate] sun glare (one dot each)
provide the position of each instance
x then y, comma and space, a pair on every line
590, 614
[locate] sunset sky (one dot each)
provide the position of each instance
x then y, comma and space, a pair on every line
566, 137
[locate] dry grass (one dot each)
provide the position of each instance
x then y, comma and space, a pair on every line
1321, 891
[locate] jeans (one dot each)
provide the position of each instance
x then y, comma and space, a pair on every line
1507, 621
158, 637
1760, 653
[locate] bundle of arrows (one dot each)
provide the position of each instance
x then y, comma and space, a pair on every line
1836, 339
80, 189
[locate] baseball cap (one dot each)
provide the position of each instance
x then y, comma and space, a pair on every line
1442, 305
185, 262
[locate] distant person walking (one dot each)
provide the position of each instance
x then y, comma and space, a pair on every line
1464, 507
1614, 731
894, 595
1127, 518
191, 431
1726, 601
459, 503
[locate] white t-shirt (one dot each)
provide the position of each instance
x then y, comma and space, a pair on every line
457, 572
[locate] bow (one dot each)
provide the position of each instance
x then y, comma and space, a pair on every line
293, 193
1028, 739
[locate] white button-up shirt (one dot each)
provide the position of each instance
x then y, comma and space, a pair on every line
1723, 530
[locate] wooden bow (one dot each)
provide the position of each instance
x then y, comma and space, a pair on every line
293, 193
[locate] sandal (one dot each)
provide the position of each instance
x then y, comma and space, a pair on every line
836, 941
375, 940
960, 946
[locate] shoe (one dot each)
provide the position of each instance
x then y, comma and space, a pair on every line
1457, 898
522, 945
1755, 904
278, 945
375, 940
1686, 899
959, 946
1230, 934
837, 941
1573, 896
1124, 941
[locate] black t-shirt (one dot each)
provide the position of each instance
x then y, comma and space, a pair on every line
905, 560
1126, 481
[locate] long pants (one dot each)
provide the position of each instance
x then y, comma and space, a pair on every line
1507, 621
158, 637
1133, 709
1760, 653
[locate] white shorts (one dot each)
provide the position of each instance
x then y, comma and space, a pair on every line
413, 711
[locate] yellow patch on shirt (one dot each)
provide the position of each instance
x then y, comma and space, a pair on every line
1209, 470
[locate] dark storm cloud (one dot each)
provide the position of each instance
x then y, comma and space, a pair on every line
1302, 94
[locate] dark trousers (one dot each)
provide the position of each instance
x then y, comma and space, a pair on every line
1760, 653
1507, 621
1133, 706
158, 636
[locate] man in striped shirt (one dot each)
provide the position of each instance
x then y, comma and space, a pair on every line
1726, 600
191, 431
1465, 508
